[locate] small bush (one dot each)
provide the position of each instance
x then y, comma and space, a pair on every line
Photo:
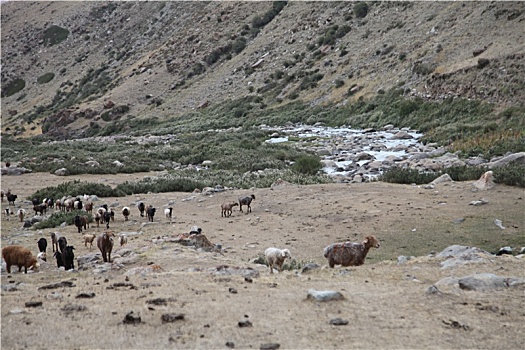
55, 35
75, 188
512, 174
59, 217
338, 83
361, 9
309, 165
46, 78
407, 176
13, 87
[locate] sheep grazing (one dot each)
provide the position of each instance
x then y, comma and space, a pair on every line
276, 257
151, 213
78, 223
48, 202
142, 208
19, 256
168, 213
8, 213
77, 204
11, 198
126, 212
107, 218
54, 240
21, 213
349, 253
105, 244
89, 239
122, 239
246, 201
69, 257
226, 209
40, 208
60, 258
89, 207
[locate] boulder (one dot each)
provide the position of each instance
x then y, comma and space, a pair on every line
62, 172
442, 179
325, 295
485, 182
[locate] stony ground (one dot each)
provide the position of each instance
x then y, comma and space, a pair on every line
386, 304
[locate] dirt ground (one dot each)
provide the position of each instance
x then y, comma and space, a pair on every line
386, 304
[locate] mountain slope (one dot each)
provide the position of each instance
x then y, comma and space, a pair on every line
167, 58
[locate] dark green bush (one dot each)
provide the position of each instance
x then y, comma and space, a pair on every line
59, 217
55, 35
75, 188
360, 9
13, 87
259, 22
309, 165
512, 174
407, 176
46, 78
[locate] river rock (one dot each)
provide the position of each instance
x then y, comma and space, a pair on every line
325, 295
485, 182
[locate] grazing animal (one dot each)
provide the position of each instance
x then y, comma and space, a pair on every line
98, 218
35, 201
42, 244
40, 208
105, 244
89, 239
60, 258
19, 256
142, 208
48, 202
107, 218
89, 207
54, 240
21, 213
69, 257
78, 223
276, 257
168, 213
246, 201
77, 204
226, 209
112, 215
126, 212
2, 194
195, 230
349, 253
68, 204
42, 256
8, 213
62, 244
11, 198
151, 213
122, 239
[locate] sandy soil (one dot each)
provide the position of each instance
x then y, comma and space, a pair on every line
386, 304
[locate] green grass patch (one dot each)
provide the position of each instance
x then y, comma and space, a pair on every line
77, 188
55, 35
46, 78
13, 87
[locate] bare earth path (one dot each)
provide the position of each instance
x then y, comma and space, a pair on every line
386, 304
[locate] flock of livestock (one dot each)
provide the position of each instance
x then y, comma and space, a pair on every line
344, 254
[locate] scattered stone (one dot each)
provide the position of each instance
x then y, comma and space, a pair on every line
158, 301
433, 290
248, 279
54, 296
401, 260
402, 135
85, 295
459, 220
324, 295
245, 323
504, 250
232, 290
62, 172
499, 223
270, 346
15, 171
310, 267
62, 284
479, 202
170, 318
69, 308
487, 282
234, 270
456, 325
17, 311
130, 319
33, 303
338, 322
230, 344
122, 284
442, 179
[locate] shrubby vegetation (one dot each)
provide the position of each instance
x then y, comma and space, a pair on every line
59, 217
77, 188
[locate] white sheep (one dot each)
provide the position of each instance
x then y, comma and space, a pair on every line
21, 213
126, 212
168, 212
276, 256
122, 239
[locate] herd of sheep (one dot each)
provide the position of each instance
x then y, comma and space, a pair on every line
344, 253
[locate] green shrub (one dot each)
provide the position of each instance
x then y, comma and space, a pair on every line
309, 165
407, 176
75, 188
338, 83
55, 35
259, 22
360, 9
59, 217
239, 44
46, 78
512, 174
13, 87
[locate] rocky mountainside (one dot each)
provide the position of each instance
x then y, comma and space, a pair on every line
73, 64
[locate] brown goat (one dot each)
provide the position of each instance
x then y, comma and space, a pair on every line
350, 253
89, 239
105, 244
19, 256
226, 209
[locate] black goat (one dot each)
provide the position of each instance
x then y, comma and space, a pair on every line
142, 208
69, 256
246, 201
11, 198
107, 218
40, 208
62, 244
78, 223
42, 245
151, 213
60, 259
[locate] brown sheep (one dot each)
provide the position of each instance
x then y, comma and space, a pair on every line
54, 240
226, 209
89, 207
89, 239
105, 244
246, 201
19, 256
350, 253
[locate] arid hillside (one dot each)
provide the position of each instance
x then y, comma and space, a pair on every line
113, 60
